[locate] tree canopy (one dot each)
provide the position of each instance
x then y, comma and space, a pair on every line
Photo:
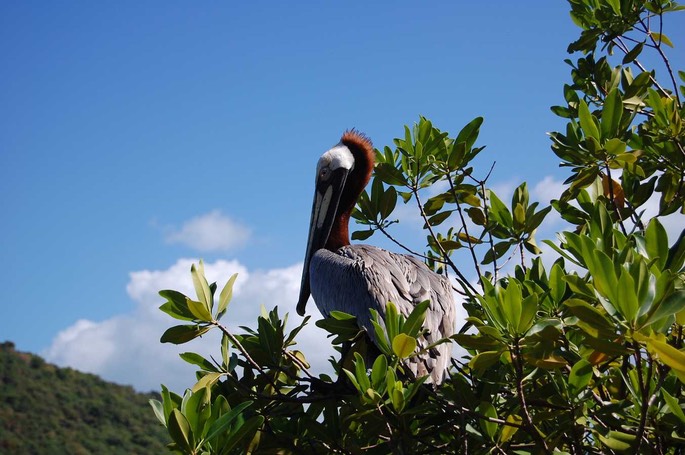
579, 354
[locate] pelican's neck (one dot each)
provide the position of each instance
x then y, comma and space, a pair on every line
340, 235
362, 150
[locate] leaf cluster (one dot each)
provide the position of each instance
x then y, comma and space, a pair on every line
581, 356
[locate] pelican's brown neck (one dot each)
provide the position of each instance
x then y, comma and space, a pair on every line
362, 150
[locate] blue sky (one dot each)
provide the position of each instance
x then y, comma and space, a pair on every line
135, 135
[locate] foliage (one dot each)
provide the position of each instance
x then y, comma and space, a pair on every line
583, 355
49, 410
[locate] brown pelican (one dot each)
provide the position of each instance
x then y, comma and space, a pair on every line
356, 278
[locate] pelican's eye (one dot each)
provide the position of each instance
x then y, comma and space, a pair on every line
324, 173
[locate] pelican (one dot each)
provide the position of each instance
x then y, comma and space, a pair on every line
356, 278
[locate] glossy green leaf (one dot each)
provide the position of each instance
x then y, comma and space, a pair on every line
196, 359
437, 219
199, 310
362, 235
596, 322
669, 355
580, 376
661, 38
671, 305
176, 305
220, 425
414, 322
403, 345
207, 380
514, 422
204, 294
378, 371
180, 432
633, 53
226, 295
626, 298
488, 410
241, 434
158, 409
673, 405
183, 333
656, 242
611, 114
484, 360
587, 121
390, 174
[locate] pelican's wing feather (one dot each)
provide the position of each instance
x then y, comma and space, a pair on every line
357, 278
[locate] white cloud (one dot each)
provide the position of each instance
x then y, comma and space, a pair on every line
210, 232
126, 348
547, 189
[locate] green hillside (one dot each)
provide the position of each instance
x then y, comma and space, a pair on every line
45, 409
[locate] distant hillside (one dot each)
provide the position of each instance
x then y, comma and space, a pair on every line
49, 410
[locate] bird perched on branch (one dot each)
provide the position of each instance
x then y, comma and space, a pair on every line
356, 278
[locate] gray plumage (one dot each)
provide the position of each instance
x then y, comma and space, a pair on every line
357, 278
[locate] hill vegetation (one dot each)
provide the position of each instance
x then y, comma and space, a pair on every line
45, 409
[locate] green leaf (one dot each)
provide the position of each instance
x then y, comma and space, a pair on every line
360, 372
596, 323
511, 305
220, 425
362, 235
676, 254
498, 211
587, 121
617, 440
158, 409
557, 285
488, 410
412, 326
611, 114
204, 295
469, 133
615, 6
176, 305
626, 298
390, 174
602, 270
388, 202
180, 334
378, 371
226, 295
196, 359
633, 53
180, 432
497, 252
437, 219
403, 345
476, 215
244, 432
508, 431
199, 310
519, 217
671, 305
673, 405
580, 376
668, 355
661, 38
197, 409
656, 242
484, 360
207, 380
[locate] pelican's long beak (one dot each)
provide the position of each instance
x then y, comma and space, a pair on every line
324, 209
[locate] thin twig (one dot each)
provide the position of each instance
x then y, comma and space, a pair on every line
464, 282
466, 229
